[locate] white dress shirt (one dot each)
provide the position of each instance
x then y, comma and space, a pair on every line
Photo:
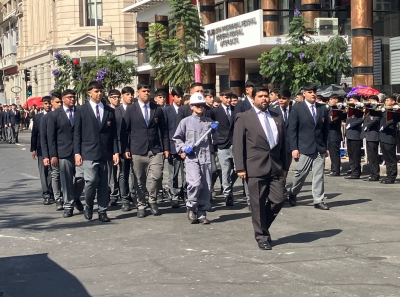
176, 107
66, 109
261, 116
250, 101
101, 109
309, 108
283, 112
124, 106
141, 104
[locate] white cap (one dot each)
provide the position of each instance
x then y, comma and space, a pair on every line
197, 98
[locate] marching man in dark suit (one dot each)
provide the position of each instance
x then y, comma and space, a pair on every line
259, 149
36, 149
60, 138
308, 135
146, 142
14, 118
95, 142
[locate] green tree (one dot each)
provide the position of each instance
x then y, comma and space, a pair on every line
302, 59
108, 69
173, 57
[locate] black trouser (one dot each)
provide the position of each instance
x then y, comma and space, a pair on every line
390, 158
334, 153
373, 158
266, 199
354, 152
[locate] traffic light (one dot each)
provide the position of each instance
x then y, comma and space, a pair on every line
27, 73
29, 91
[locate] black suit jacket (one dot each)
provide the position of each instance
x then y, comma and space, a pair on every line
242, 106
353, 132
224, 132
371, 126
139, 138
388, 129
14, 119
277, 109
60, 134
335, 125
1, 118
35, 135
170, 120
121, 125
251, 150
43, 135
305, 135
91, 141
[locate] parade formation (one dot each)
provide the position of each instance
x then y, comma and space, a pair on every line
114, 148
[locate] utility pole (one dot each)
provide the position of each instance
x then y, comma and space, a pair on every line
96, 28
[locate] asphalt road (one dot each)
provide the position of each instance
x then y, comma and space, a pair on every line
350, 250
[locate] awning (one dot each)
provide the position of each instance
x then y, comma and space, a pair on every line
141, 4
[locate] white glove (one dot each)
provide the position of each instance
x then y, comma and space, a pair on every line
381, 129
348, 126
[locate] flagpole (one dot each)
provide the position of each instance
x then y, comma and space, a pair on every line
96, 29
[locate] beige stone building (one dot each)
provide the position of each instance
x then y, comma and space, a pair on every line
34, 30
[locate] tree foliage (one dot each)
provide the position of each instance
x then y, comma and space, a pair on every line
173, 57
108, 69
302, 59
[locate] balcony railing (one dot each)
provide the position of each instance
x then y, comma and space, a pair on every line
8, 61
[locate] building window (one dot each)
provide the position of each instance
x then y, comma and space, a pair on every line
250, 5
90, 12
220, 12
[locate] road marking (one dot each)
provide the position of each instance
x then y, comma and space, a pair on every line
28, 175
15, 237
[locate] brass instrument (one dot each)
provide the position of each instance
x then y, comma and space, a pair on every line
354, 109
390, 111
373, 108
337, 110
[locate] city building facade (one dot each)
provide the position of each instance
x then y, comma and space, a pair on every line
371, 28
33, 31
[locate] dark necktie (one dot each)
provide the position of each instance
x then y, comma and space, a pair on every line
313, 112
146, 114
228, 113
285, 114
70, 117
98, 115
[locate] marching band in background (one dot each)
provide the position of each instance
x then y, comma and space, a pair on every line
117, 151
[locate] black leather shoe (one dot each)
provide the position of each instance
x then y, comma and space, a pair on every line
321, 206
352, 177
154, 209
59, 204
332, 174
204, 221
229, 201
78, 205
387, 181
269, 237
113, 202
68, 213
371, 178
104, 218
141, 213
88, 213
126, 206
175, 204
264, 245
192, 217
51, 200
46, 201
292, 199
349, 172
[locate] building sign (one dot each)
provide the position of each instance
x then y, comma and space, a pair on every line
235, 33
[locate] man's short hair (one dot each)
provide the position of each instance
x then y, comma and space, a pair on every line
143, 85
285, 93
126, 90
196, 84
338, 97
309, 86
114, 92
46, 99
177, 91
374, 97
186, 97
160, 93
355, 96
274, 90
217, 99
393, 98
300, 94
55, 95
250, 84
68, 92
234, 96
259, 89
208, 92
227, 93
95, 85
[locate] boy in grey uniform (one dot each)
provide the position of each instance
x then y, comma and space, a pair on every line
198, 162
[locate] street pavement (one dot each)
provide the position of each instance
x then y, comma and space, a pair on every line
350, 250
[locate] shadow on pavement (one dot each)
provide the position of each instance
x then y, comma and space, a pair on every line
37, 275
307, 237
